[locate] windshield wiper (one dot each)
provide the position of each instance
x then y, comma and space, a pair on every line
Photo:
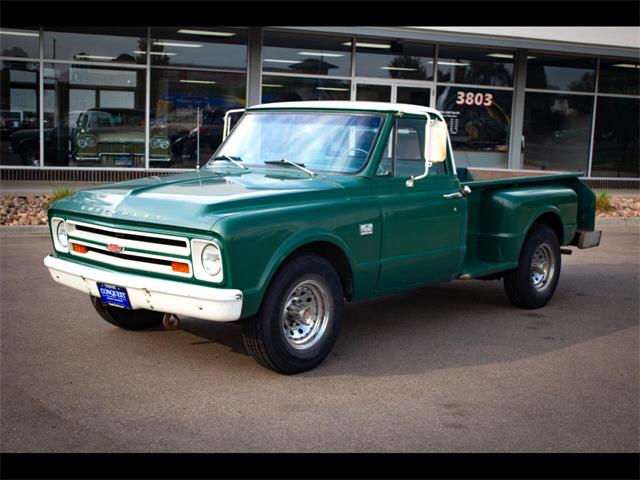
229, 159
284, 161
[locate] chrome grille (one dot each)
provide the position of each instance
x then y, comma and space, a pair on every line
145, 251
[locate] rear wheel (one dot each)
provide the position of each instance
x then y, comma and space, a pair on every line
299, 320
534, 281
127, 319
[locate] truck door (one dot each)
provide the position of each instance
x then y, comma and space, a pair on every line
423, 227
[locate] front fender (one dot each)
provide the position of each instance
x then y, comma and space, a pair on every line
287, 248
256, 243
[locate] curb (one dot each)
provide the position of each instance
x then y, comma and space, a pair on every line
24, 230
618, 221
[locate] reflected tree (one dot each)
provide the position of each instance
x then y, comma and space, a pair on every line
411, 67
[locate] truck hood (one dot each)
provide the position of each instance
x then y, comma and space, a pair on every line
197, 200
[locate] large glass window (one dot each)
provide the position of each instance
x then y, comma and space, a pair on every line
183, 99
95, 117
616, 152
214, 47
19, 121
394, 59
557, 131
306, 54
19, 42
282, 89
479, 122
619, 76
96, 44
553, 72
475, 66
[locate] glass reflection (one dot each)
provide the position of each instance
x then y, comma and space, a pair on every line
619, 76
616, 152
94, 117
284, 89
394, 59
214, 47
479, 121
305, 54
557, 131
475, 66
96, 44
19, 42
188, 107
19, 122
551, 72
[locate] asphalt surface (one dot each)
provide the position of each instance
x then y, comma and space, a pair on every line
448, 368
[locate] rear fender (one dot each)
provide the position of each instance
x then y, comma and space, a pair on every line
509, 214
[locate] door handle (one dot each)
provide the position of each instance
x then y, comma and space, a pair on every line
451, 196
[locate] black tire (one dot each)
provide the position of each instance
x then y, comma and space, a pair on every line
529, 288
315, 282
127, 319
30, 154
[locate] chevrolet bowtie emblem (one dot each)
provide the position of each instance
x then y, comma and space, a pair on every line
115, 248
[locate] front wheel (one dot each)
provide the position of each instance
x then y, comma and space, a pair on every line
534, 281
299, 320
127, 319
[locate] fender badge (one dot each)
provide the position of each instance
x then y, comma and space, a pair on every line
115, 248
366, 229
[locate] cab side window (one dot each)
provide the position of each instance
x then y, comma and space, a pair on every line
404, 154
409, 148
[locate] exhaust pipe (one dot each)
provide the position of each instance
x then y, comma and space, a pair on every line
171, 322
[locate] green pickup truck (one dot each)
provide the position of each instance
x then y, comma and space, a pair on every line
306, 205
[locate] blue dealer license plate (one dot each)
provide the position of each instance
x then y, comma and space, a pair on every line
114, 295
123, 160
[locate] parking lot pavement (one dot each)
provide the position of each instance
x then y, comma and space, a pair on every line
448, 368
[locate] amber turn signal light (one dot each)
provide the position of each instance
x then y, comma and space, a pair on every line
180, 267
79, 248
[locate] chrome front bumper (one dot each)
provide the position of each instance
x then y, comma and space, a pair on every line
215, 304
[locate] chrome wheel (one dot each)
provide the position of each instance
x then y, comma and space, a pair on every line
305, 315
542, 267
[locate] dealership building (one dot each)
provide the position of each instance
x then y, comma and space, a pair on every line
113, 103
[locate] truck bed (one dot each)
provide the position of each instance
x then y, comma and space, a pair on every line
503, 204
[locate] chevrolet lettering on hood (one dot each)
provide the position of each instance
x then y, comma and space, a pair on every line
123, 212
306, 205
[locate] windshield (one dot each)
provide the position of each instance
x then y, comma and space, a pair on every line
329, 142
115, 118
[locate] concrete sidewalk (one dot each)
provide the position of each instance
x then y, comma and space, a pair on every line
40, 188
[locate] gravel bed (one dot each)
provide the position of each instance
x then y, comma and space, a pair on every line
32, 209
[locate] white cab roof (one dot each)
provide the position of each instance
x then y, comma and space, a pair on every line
348, 105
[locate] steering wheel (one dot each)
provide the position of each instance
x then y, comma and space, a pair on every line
345, 153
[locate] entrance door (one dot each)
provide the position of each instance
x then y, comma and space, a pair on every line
395, 91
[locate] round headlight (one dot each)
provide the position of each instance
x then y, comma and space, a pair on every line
160, 143
61, 234
87, 141
211, 261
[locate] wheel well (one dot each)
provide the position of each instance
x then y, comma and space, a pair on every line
336, 257
552, 220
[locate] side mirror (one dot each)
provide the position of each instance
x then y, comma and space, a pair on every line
435, 147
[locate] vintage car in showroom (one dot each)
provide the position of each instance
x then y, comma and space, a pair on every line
115, 137
306, 205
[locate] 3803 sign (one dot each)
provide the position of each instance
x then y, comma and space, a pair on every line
475, 99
